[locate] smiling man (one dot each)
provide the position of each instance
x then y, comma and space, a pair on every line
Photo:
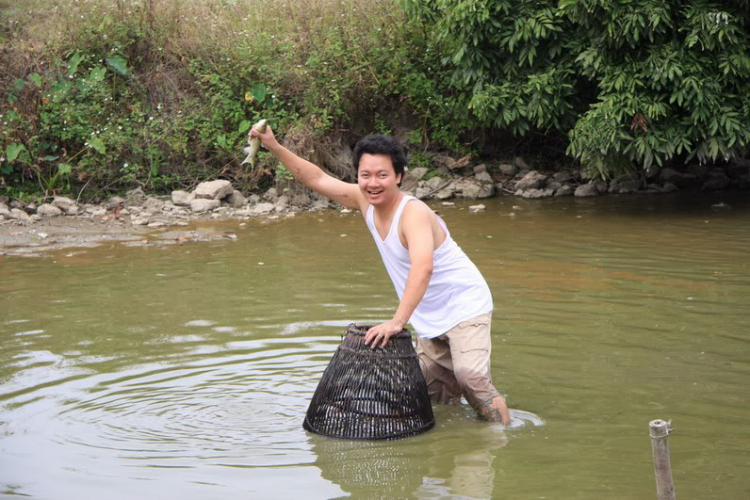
441, 292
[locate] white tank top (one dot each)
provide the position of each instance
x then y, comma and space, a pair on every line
457, 291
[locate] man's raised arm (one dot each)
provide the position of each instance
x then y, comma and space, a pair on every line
311, 175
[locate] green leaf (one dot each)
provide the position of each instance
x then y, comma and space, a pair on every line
119, 65
259, 92
50, 158
20, 84
36, 78
97, 144
13, 150
64, 168
74, 62
244, 126
97, 74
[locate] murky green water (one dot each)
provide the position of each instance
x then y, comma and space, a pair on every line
185, 372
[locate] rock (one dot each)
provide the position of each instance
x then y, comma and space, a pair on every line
422, 192
140, 220
743, 182
18, 214
418, 173
4, 209
565, 190
508, 169
535, 194
135, 196
521, 163
721, 206
672, 176
262, 209
319, 204
476, 208
716, 181
203, 204
484, 177
593, 188
99, 212
153, 204
301, 200
563, 177
668, 187
236, 199
253, 199
474, 188
271, 195
282, 203
49, 210
213, 190
447, 192
698, 170
481, 168
182, 198
408, 182
64, 203
114, 201
447, 162
628, 183
532, 180
434, 183
72, 210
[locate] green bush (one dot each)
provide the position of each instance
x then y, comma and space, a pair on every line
636, 83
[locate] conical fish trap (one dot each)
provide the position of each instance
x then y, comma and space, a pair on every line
369, 393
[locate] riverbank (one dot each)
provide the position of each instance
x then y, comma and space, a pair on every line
141, 219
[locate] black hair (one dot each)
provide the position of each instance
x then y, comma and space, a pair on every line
381, 145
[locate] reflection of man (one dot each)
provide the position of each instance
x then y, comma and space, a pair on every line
442, 293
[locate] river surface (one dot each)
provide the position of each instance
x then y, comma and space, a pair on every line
185, 371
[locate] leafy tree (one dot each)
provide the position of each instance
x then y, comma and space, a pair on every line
634, 82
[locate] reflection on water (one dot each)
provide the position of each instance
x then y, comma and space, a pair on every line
427, 466
186, 371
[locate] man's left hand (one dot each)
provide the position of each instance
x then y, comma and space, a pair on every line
379, 335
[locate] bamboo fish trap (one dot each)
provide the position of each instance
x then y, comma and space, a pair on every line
371, 394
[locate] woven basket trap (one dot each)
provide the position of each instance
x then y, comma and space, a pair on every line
369, 393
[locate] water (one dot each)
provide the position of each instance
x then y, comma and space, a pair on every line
185, 371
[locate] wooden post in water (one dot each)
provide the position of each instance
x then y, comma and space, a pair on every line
659, 432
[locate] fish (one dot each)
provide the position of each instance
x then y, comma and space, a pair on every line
254, 143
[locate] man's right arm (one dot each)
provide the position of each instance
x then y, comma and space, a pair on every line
311, 175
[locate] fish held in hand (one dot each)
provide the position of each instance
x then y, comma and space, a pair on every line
254, 143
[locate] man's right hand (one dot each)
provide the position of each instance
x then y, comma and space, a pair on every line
267, 138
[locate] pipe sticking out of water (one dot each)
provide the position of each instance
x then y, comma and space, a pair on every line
659, 431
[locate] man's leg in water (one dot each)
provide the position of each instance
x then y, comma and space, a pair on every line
470, 347
437, 368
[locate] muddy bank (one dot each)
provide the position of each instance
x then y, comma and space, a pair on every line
139, 219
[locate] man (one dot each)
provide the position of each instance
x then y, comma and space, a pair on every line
441, 291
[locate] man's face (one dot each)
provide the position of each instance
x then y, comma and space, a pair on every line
377, 179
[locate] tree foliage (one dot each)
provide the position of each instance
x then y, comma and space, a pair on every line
633, 82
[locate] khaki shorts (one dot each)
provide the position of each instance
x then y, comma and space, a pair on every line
458, 363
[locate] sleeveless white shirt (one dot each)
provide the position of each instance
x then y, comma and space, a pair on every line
456, 292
